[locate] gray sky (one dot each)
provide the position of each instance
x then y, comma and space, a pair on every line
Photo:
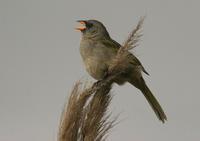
40, 62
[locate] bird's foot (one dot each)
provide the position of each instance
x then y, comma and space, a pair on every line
98, 83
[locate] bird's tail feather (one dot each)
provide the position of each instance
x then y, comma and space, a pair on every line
152, 100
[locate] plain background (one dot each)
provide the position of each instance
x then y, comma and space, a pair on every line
40, 62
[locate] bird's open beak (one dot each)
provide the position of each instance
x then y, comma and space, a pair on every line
82, 27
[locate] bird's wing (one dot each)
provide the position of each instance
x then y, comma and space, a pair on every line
135, 61
110, 43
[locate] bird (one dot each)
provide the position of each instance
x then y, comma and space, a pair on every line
98, 50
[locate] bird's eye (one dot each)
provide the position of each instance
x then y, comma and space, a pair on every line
89, 25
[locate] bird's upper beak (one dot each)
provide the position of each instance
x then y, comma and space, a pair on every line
82, 27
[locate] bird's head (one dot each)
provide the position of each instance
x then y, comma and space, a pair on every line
92, 29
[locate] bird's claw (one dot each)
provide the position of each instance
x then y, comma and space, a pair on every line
98, 83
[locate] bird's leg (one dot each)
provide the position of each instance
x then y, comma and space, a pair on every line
100, 82
106, 74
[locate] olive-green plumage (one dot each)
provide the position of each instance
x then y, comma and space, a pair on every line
98, 49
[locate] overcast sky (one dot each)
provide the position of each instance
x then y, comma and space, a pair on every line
40, 62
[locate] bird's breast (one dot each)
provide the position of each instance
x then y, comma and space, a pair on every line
96, 68
94, 59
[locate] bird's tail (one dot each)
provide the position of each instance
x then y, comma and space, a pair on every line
151, 99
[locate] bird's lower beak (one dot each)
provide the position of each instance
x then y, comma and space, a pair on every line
82, 27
